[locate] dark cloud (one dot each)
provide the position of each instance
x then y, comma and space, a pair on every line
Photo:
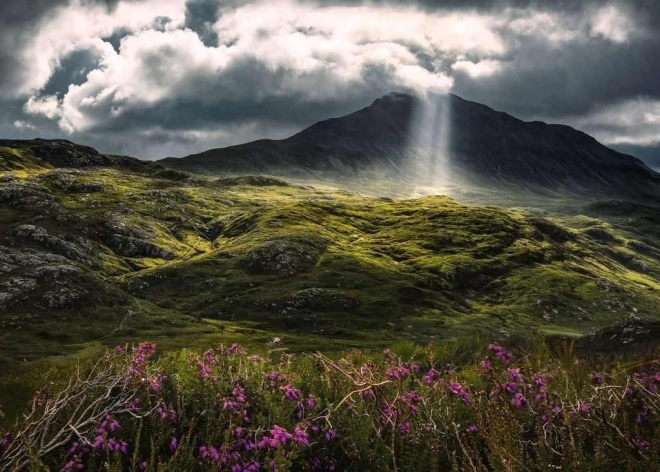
200, 16
538, 79
73, 70
543, 80
18, 21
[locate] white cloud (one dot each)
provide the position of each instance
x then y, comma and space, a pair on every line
48, 106
612, 24
281, 49
80, 22
24, 125
478, 69
554, 27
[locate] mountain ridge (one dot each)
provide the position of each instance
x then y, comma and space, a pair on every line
486, 146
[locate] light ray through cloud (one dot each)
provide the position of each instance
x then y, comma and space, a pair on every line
430, 144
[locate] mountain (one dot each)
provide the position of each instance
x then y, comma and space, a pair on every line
442, 138
57, 153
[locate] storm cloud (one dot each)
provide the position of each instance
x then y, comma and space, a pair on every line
156, 78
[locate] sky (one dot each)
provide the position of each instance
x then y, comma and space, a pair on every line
158, 78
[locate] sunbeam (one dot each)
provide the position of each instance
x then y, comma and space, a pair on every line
430, 144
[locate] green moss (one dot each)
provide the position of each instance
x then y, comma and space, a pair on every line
370, 270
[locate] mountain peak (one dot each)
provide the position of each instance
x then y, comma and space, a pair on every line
416, 138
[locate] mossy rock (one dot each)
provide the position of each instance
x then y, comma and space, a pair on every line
134, 247
285, 256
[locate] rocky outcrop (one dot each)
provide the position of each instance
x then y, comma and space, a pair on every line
58, 244
26, 193
62, 153
285, 257
134, 247
43, 281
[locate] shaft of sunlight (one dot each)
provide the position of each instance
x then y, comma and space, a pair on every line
430, 144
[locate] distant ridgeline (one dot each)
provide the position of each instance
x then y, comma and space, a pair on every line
443, 139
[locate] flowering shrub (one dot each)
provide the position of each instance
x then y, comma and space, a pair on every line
224, 410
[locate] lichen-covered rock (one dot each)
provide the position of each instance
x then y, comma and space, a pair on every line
116, 225
285, 257
40, 235
134, 247
95, 186
15, 288
26, 193
33, 281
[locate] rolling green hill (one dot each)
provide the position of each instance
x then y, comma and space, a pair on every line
91, 256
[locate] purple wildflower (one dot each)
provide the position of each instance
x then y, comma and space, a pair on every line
519, 401
457, 390
499, 352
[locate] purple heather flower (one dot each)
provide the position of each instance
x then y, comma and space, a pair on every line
98, 442
456, 389
204, 370
330, 435
291, 393
239, 394
174, 444
405, 428
499, 352
397, 373
473, 428
515, 375
642, 444
253, 466
519, 401
310, 403
74, 447
274, 378
300, 436
511, 387
431, 376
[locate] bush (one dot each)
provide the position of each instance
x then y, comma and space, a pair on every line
226, 410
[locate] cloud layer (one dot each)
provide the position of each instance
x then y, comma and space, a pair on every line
156, 78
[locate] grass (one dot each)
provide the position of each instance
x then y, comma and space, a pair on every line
247, 259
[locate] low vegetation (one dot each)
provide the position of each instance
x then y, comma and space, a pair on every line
412, 409
116, 251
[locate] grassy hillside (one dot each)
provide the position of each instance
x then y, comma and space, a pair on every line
94, 256
158, 251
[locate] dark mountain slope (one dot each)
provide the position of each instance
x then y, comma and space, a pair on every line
57, 153
484, 146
